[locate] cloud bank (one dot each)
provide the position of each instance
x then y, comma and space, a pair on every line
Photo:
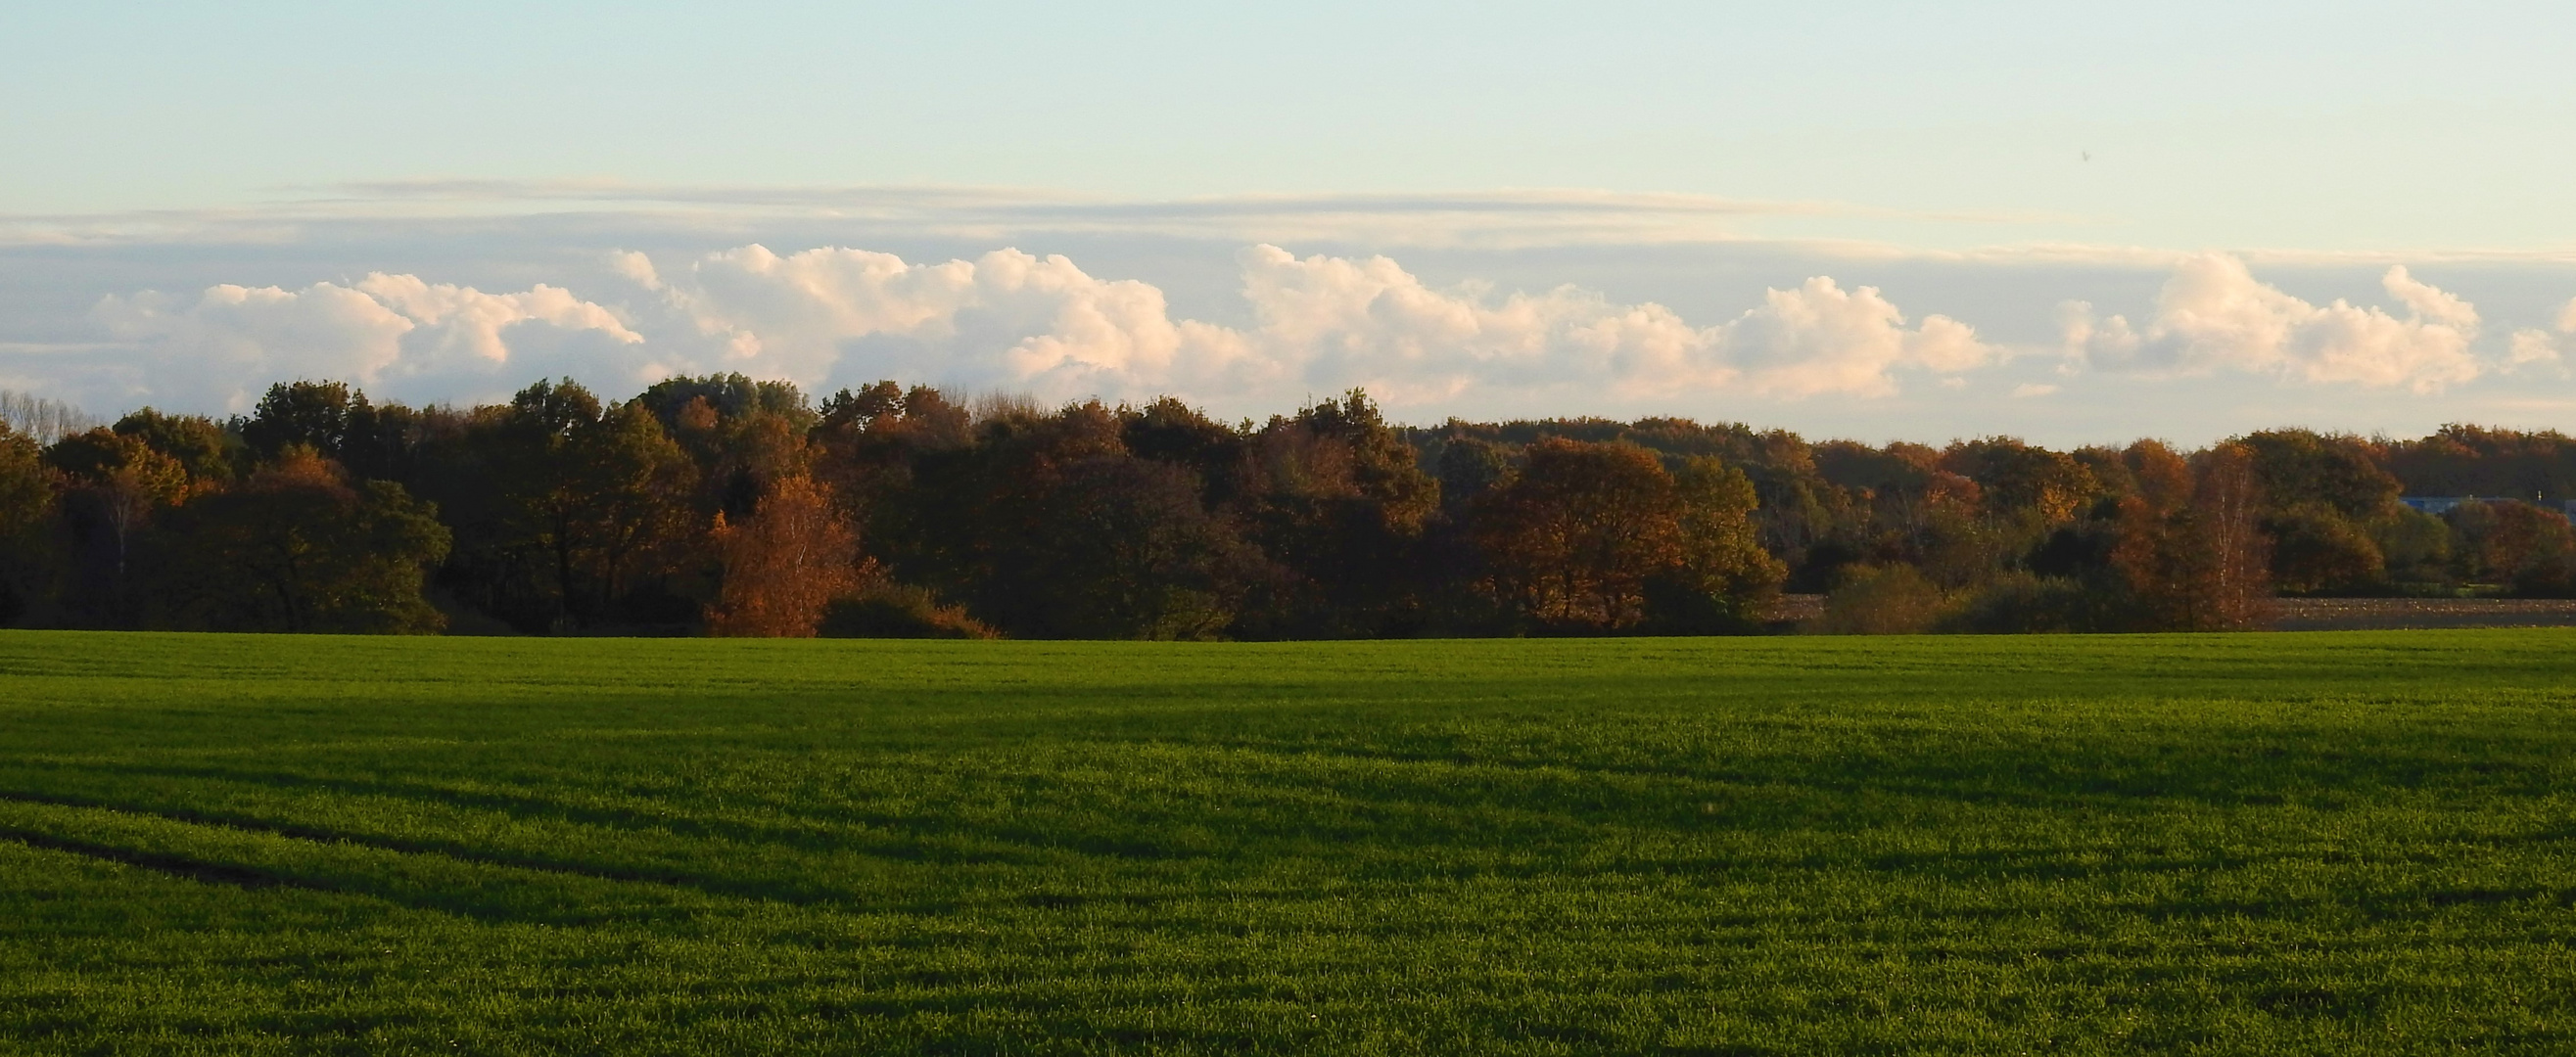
385, 331
2214, 315
1009, 320
1321, 323
1013, 321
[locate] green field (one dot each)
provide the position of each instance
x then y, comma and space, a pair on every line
2354, 843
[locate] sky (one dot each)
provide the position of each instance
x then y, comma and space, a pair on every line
2072, 223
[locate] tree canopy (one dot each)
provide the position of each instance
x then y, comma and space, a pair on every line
724, 504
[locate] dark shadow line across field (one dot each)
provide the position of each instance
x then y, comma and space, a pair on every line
876, 834
1742, 929
2011, 864
2025, 862
178, 866
889, 842
1030, 845
2132, 781
715, 887
320, 835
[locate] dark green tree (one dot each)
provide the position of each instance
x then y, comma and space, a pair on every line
317, 415
1120, 548
201, 445
2516, 545
1337, 499
297, 548
1721, 581
115, 486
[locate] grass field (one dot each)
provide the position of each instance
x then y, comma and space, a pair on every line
2354, 843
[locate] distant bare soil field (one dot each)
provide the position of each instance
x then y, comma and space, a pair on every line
2344, 614
2354, 614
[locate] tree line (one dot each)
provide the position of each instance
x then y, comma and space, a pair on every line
724, 505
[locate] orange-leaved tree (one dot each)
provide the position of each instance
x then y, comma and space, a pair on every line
786, 563
1571, 540
2191, 542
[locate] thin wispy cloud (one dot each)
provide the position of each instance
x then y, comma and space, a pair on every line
554, 212
1496, 218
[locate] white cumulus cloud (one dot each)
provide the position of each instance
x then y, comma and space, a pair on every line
1014, 321
2213, 314
1333, 322
462, 323
1820, 339
1006, 319
2532, 347
1339, 321
1320, 323
231, 341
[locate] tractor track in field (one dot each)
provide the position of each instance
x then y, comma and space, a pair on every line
889, 841
251, 876
245, 876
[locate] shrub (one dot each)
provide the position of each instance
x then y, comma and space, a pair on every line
1881, 600
2021, 603
890, 610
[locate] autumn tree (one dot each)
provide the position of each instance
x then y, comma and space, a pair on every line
742, 434
202, 447
2303, 468
116, 484
26, 506
1571, 540
2024, 496
1721, 579
2323, 496
785, 564
2191, 544
867, 441
1339, 502
2228, 507
2514, 544
300, 548
2030, 487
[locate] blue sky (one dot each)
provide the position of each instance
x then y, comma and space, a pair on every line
1997, 165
